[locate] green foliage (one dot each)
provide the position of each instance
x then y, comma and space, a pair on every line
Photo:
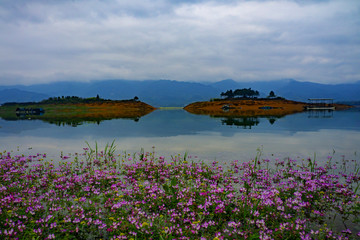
99, 194
66, 100
71, 99
272, 94
244, 92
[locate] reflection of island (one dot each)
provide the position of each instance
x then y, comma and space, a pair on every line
246, 113
79, 121
75, 114
320, 114
245, 122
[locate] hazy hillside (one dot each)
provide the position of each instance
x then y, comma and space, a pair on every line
296, 90
175, 93
262, 86
304, 90
157, 93
16, 95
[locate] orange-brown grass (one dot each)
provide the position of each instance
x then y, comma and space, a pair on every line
96, 110
249, 107
112, 109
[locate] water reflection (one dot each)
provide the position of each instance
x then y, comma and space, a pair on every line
177, 131
65, 120
246, 122
79, 122
179, 122
320, 113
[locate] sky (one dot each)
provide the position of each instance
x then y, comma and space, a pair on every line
45, 41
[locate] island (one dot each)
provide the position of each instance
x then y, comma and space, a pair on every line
251, 107
74, 110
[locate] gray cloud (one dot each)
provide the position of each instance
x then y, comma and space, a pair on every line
183, 40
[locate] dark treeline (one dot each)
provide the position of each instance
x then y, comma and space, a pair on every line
80, 121
245, 93
68, 100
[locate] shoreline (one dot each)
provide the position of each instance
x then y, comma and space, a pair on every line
87, 111
251, 107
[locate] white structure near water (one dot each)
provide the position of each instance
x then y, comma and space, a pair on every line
320, 104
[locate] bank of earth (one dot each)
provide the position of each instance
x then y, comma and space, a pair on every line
104, 109
251, 107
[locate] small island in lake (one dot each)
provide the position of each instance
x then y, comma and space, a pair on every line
76, 109
246, 104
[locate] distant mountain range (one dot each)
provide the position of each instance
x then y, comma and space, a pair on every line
165, 93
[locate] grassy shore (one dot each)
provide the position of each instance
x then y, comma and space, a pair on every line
100, 195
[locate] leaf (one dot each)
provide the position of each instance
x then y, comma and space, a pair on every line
173, 182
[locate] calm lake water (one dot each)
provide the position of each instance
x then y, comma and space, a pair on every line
174, 132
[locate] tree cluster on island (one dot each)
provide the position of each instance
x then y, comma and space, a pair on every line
70, 100
244, 93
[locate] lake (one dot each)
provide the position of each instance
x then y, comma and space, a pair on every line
176, 131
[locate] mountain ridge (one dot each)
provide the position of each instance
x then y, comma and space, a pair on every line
165, 93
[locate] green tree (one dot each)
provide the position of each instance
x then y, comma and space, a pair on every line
228, 94
271, 94
246, 92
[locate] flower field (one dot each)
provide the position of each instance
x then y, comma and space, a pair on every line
100, 195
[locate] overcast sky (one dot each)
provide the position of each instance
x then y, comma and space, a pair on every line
186, 40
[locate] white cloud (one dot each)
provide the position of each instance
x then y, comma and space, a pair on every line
187, 40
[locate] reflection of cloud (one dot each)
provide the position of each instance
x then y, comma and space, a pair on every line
211, 146
183, 40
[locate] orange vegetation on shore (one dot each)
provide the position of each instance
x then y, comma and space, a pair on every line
106, 110
249, 107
